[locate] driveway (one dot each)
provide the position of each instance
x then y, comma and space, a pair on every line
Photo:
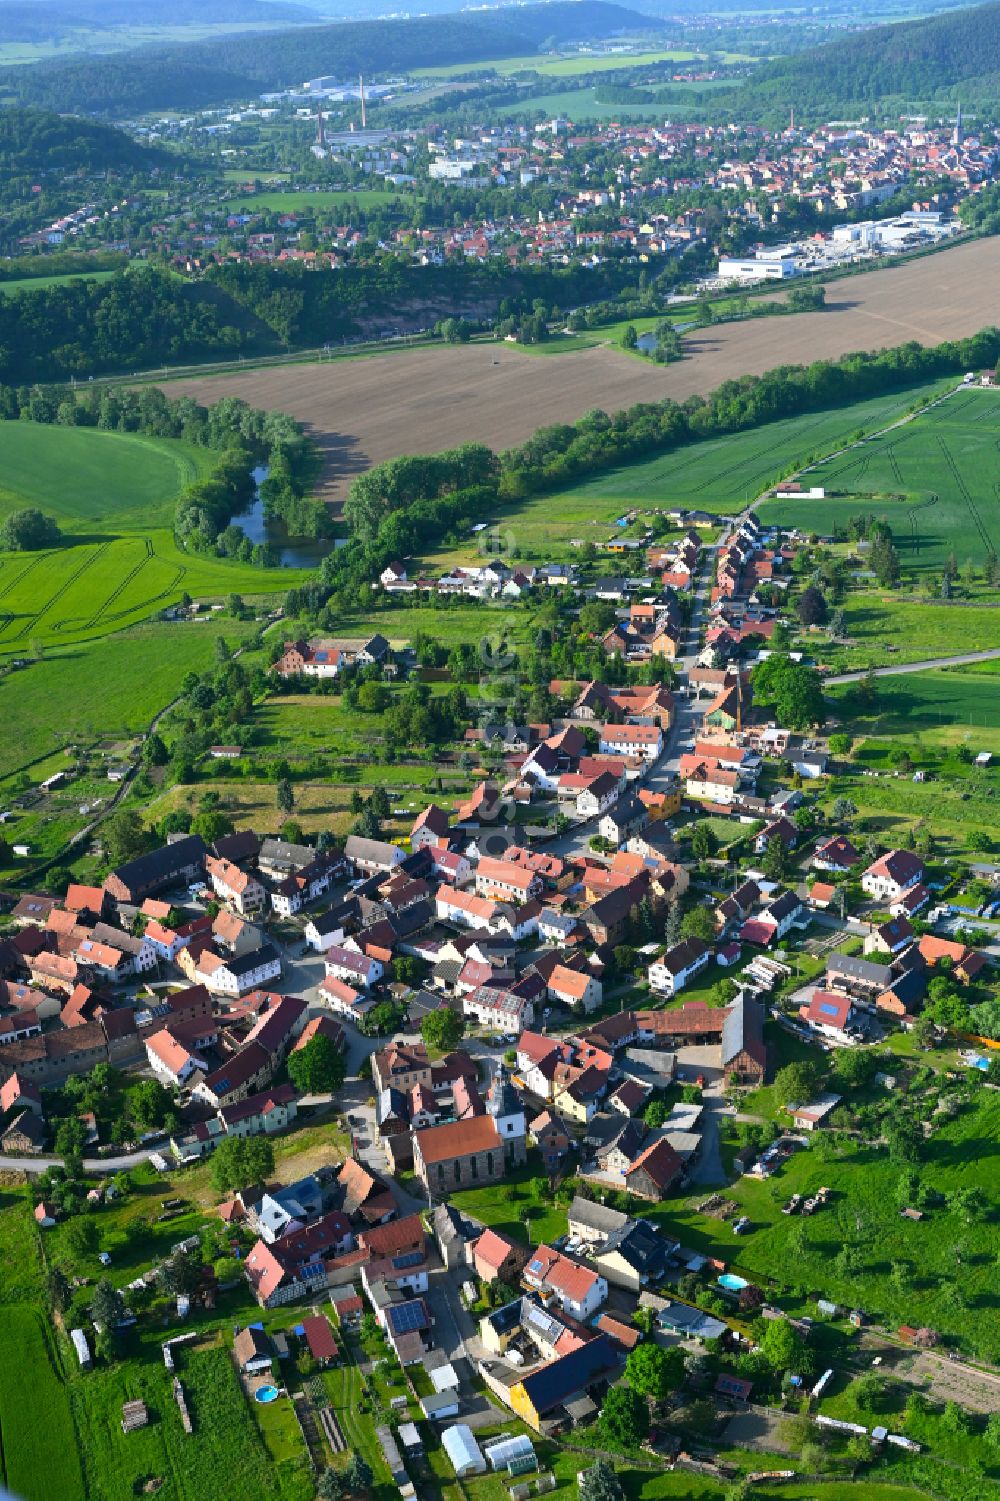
708, 1171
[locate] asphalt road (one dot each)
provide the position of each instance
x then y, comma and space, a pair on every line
899, 669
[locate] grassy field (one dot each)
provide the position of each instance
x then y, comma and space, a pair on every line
864, 1213
88, 590
570, 66
723, 474
322, 805
112, 494
34, 283
39, 1457
884, 630
308, 203
512, 1208
944, 707
583, 104
937, 482
109, 687
89, 479
930, 714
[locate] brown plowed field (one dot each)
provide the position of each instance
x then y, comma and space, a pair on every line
364, 410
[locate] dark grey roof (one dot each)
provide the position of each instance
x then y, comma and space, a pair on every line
245, 964
858, 969
243, 845
640, 1245
683, 955
278, 852
596, 1216
503, 1320
784, 905
629, 1139
391, 1102
336, 917
449, 1224
626, 811
572, 1374
742, 1029
909, 986
162, 864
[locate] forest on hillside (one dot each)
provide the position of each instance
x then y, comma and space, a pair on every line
35, 141
142, 316
957, 54
192, 74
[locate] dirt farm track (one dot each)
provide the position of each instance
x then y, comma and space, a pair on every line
362, 411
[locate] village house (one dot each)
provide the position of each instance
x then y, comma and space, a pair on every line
371, 857
830, 1014
175, 864
574, 988
678, 966
576, 1288
629, 739
893, 873
593, 795
402, 1067
239, 888
550, 1136
235, 974
506, 880
245, 1073
171, 1062
563, 1386
352, 967
495, 1258
654, 1171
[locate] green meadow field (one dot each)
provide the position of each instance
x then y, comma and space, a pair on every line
39, 1457
111, 686
936, 481
34, 283
93, 480
583, 104
305, 203
724, 474
113, 495
572, 66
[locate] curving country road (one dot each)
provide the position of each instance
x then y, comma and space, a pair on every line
899, 669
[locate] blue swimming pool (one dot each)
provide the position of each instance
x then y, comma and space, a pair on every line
265, 1394
732, 1283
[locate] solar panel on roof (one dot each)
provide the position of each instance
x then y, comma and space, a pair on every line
828, 1009
410, 1258
406, 1318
